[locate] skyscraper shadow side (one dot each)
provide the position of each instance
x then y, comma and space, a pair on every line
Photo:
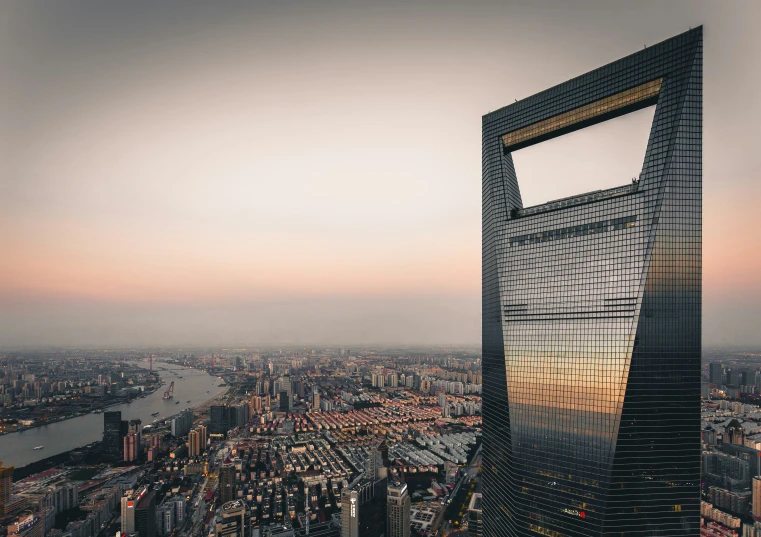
592, 315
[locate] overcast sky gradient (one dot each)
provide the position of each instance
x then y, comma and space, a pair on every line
309, 172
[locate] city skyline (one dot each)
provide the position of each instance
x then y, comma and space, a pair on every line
192, 176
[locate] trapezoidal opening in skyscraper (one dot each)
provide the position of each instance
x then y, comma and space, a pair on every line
599, 157
592, 314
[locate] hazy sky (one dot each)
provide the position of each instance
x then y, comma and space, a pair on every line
309, 172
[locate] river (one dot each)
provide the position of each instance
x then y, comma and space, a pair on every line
16, 449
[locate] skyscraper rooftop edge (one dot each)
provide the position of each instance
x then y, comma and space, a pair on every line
648, 51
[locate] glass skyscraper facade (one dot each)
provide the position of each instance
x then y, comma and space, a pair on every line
592, 315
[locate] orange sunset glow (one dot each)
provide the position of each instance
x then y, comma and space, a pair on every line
161, 167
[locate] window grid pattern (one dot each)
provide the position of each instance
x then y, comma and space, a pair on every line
629, 97
591, 324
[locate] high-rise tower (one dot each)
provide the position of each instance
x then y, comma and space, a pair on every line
232, 521
475, 516
398, 510
6, 487
592, 315
227, 482
114, 430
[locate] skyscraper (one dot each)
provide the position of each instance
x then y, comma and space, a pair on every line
197, 441
232, 520
6, 487
193, 444
227, 482
362, 511
716, 373
182, 423
475, 517
315, 398
145, 515
221, 419
202, 437
114, 429
131, 446
592, 315
376, 465
398, 510
128, 502
286, 385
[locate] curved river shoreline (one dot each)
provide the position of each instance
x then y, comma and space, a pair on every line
16, 449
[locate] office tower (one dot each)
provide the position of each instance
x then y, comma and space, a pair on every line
220, 419
592, 315
475, 524
747, 378
217, 419
362, 512
232, 521
165, 519
377, 461
286, 385
114, 430
182, 423
398, 510
145, 515
6, 487
315, 398
226, 417
716, 373
733, 377
180, 509
242, 415
286, 405
227, 482
128, 502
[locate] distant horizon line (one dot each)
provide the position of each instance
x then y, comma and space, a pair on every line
243, 347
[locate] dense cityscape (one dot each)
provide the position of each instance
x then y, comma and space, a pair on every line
240, 295
296, 437
293, 438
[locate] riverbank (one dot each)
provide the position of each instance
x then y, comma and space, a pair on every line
98, 407
190, 392
87, 452
98, 410
217, 399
